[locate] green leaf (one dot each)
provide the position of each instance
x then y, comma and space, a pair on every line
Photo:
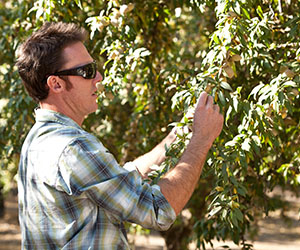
215, 211
238, 214
78, 2
234, 181
234, 219
224, 213
216, 38
241, 190
224, 172
256, 90
243, 161
226, 85
235, 103
227, 117
289, 84
246, 13
222, 98
246, 144
281, 97
260, 12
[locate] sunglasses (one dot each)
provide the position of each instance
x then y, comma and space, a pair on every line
87, 71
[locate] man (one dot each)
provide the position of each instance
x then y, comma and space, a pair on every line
72, 192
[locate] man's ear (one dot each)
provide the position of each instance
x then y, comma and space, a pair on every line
55, 84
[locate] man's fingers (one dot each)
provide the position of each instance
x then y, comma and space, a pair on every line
202, 99
217, 108
205, 99
210, 100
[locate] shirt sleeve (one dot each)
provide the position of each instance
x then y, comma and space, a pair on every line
86, 166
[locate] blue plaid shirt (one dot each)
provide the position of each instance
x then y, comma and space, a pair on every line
74, 195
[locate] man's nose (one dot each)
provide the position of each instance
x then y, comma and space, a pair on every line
98, 77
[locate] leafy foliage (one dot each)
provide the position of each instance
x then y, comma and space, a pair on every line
157, 56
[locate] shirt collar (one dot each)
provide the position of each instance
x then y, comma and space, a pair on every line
46, 115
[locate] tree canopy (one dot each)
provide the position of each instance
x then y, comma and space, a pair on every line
156, 57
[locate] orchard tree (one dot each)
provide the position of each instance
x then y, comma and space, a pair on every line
156, 58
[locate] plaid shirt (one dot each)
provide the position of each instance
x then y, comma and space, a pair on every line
74, 195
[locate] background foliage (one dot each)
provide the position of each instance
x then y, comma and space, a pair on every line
157, 56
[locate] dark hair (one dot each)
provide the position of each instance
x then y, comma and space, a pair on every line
41, 55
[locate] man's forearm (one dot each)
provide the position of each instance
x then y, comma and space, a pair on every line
178, 184
155, 157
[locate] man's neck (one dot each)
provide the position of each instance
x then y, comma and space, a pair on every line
56, 108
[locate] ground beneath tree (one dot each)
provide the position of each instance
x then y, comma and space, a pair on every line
276, 233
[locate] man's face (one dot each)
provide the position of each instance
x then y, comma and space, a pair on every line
81, 96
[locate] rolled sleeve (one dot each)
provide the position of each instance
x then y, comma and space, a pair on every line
87, 167
165, 213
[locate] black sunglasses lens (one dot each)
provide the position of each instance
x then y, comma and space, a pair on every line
89, 71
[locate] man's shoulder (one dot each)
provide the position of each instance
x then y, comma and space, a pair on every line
68, 135
56, 136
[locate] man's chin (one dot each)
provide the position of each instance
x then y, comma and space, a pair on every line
93, 110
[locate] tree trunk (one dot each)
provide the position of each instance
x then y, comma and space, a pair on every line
1, 202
